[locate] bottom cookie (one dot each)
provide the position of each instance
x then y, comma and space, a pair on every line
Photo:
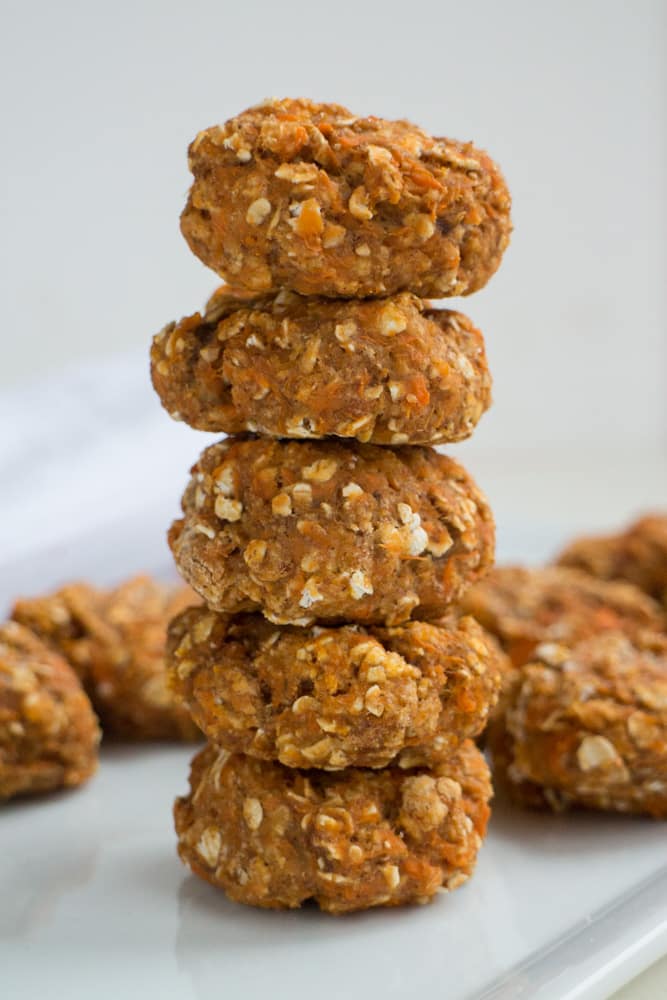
273, 836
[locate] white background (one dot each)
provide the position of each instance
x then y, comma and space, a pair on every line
98, 102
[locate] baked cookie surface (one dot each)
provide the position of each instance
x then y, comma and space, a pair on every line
587, 725
637, 555
48, 731
333, 697
273, 836
389, 371
305, 196
524, 607
319, 530
115, 641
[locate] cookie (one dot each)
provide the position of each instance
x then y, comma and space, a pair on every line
306, 530
637, 555
115, 641
273, 836
587, 725
525, 606
333, 697
48, 731
389, 371
305, 196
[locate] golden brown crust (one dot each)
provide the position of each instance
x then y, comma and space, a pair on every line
387, 371
587, 725
274, 837
48, 730
115, 641
320, 530
637, 555
333, 697
307, 197
524, 607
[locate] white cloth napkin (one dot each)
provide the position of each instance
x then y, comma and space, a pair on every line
87, 447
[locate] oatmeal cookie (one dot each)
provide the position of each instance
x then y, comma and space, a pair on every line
48, 730
388, 371
115, 641
587, 725
524, 607
274, 836
309, 197
320, 530
333, 697
638, 555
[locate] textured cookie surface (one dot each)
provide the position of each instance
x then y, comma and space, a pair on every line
587, 725
48, 730
115, 641
388, 371
524, 607
309, 197
333, 697
319, 530
637, 555
273, 836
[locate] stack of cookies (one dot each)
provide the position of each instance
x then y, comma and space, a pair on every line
338, 692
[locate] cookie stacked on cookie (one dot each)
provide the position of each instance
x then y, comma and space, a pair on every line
327, 537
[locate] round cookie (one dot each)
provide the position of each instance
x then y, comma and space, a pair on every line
525, 606
333, 697
637, 555
306, 196
115, 641
587, 725
48, 731
320, 530
388, 371
274, 837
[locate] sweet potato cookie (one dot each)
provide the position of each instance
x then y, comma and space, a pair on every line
48, 730
274, 836
115, 641
308, 197
524, 607
587, 725
638, 555
333, 697
382, 370
319, 530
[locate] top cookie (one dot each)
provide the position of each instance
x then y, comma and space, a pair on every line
308, 197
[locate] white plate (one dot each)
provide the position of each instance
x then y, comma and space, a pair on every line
94, 903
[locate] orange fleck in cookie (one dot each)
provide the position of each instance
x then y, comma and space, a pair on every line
320, 530
115, 641
388, 371
273, 836
309, 197
638, 555
333, 697
48, 730
587, 725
